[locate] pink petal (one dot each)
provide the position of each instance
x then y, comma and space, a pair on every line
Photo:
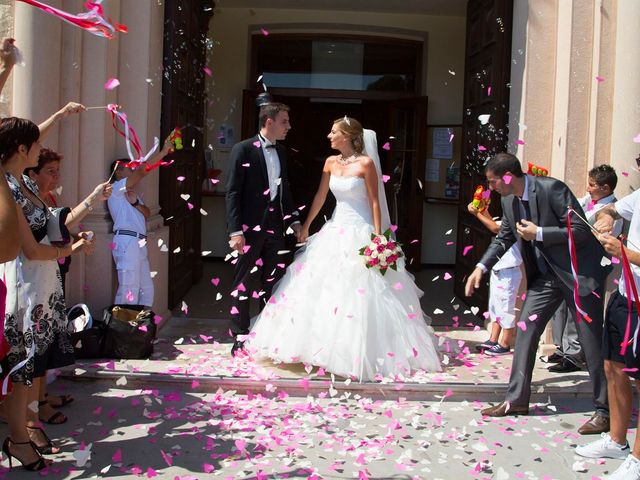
466, 250
111, 84
385, 178
489, 91
626, 174
523, 326
117, 457
215, 281
482, 148
599, 79
234, 311
447, 276
519, 142
208, 468
180, 178
533, 317
264, 32
207, 70
636, 139
507, 179
256, 144
386, 146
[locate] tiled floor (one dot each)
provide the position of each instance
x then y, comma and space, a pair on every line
210, 298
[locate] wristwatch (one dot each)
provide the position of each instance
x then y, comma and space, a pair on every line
88, 206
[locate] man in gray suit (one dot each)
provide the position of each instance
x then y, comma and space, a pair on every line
535, 214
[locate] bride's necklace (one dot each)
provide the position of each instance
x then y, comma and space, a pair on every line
347, 160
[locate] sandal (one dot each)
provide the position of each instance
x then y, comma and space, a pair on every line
48, 448
57, 418
36, 465
64, 400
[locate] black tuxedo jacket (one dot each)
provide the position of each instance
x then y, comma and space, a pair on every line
247, 181
548, 201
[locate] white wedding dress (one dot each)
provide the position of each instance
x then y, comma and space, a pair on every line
330, 311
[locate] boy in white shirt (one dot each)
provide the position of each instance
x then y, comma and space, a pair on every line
129, 214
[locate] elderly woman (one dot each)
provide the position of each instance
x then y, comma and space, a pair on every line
35, 320
46, 176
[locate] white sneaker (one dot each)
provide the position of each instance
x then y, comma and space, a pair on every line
603, 448
629, 470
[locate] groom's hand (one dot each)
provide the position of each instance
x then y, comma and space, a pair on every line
237, 243
473, 281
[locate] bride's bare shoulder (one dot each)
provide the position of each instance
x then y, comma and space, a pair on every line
365, 161
330, 162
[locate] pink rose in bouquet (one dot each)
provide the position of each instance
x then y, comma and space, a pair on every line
382, 253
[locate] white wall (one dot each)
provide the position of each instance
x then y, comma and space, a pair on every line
231, 29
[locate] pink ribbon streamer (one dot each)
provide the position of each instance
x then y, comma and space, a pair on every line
630, 286
574, 271
93, 21
130, 137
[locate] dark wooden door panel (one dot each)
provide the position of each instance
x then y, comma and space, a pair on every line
486, 91
183, 105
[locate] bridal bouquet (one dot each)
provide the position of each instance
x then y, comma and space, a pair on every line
382, 253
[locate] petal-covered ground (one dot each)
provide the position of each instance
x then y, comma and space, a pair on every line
180, 435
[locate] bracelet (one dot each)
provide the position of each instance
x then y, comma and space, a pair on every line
87, 205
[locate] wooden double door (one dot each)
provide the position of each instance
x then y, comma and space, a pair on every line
400, 123
486, 91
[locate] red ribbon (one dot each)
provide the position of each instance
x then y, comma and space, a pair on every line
574, 271
128, 133
93, 21
630, 287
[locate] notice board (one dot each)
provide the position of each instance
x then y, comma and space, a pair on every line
442, 170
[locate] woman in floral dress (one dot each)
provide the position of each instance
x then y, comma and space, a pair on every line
35, 319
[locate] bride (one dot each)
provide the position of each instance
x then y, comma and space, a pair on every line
329, 310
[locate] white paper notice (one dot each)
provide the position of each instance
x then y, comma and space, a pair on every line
442, 144
433, 170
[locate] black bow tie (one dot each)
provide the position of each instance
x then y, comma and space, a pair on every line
273, 145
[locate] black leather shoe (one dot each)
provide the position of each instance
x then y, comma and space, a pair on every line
503, 409
565, 366
238, 348
555, 358
596, 424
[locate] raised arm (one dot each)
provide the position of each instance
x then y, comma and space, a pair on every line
318, 201
9, 237
69, 109
7, 60
485, 218
102, 192
141, 171
371, 182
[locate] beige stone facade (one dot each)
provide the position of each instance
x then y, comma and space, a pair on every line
575, 91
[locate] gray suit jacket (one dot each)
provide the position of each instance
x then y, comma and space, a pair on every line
548, 201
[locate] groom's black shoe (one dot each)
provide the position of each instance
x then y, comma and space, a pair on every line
238, 348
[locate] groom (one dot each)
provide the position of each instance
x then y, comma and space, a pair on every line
535, 213
259, 211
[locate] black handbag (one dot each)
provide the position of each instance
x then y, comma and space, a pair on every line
131, 331
88, 342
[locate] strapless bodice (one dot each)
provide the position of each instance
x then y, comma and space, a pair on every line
352, 201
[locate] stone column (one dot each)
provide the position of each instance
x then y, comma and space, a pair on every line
75, 66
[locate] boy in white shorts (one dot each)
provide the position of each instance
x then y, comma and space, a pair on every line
504, 285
